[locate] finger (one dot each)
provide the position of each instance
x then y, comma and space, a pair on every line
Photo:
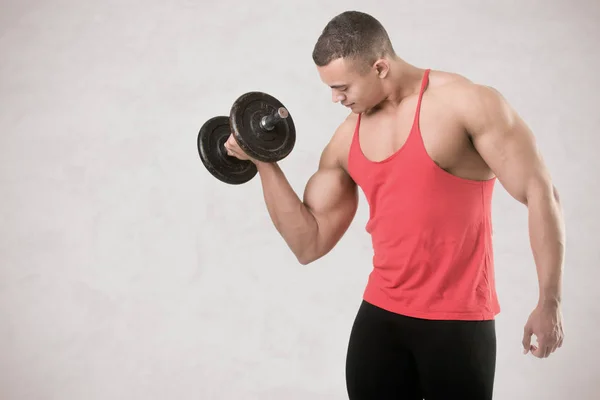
547, 351
557, 344
533, 348
526, 341
231, 139
538, 351
233, 146
543, 346
543, 350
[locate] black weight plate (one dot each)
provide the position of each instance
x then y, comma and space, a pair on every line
211, 139
263, 145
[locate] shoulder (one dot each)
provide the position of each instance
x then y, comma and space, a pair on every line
455, 87
345, 129
475, 105
336, 150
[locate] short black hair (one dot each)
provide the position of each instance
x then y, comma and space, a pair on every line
354, 35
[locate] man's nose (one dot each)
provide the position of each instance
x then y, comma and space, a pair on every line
335, 97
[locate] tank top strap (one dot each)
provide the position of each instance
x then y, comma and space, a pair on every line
424, 83
354, 141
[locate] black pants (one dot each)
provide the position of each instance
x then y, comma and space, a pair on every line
392, 356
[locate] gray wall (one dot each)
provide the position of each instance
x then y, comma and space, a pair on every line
128, 272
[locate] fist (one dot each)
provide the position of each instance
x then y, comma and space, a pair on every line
546, 324
234, 150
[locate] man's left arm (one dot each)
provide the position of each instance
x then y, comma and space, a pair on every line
508, 146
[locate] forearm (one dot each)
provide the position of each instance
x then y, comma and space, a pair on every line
547, 236
292, 219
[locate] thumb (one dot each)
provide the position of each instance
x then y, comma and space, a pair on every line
527, 339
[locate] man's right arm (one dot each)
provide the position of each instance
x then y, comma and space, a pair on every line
311, 227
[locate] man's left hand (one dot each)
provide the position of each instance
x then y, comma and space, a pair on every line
545, 322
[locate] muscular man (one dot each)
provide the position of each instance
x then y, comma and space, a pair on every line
426, 147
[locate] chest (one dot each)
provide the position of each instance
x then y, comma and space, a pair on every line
380, 136
441, 132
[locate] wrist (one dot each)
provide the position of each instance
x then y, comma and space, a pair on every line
549, 301
550, 293
261, 165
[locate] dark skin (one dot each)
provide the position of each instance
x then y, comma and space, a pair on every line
483, 137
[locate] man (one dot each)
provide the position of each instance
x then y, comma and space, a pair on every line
426, 147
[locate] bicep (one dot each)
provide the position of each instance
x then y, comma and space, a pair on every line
330, 190
332, 197
506, 144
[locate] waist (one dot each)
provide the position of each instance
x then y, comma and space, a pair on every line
435, 276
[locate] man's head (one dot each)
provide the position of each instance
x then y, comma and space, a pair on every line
353, 55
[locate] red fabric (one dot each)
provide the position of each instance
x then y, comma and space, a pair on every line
431, 233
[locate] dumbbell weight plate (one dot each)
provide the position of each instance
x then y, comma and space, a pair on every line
261, 144
211, 139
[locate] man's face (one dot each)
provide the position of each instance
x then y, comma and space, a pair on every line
357, 91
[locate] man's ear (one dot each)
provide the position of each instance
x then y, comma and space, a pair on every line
382, 67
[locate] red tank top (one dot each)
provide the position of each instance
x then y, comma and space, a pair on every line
431, 233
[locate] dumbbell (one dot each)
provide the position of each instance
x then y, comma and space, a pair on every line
261, 125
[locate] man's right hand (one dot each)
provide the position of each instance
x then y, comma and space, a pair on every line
234, 150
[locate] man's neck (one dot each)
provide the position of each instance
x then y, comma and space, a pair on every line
404, 81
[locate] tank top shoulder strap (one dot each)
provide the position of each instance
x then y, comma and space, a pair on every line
424, 84
354, 140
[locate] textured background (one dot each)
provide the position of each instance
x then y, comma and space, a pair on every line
128, 272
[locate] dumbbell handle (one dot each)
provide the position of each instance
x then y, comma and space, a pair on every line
268, 122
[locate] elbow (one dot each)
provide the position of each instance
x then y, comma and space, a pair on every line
541, 191
302, 254
304, 260
309, 251
307, 257
555, 195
